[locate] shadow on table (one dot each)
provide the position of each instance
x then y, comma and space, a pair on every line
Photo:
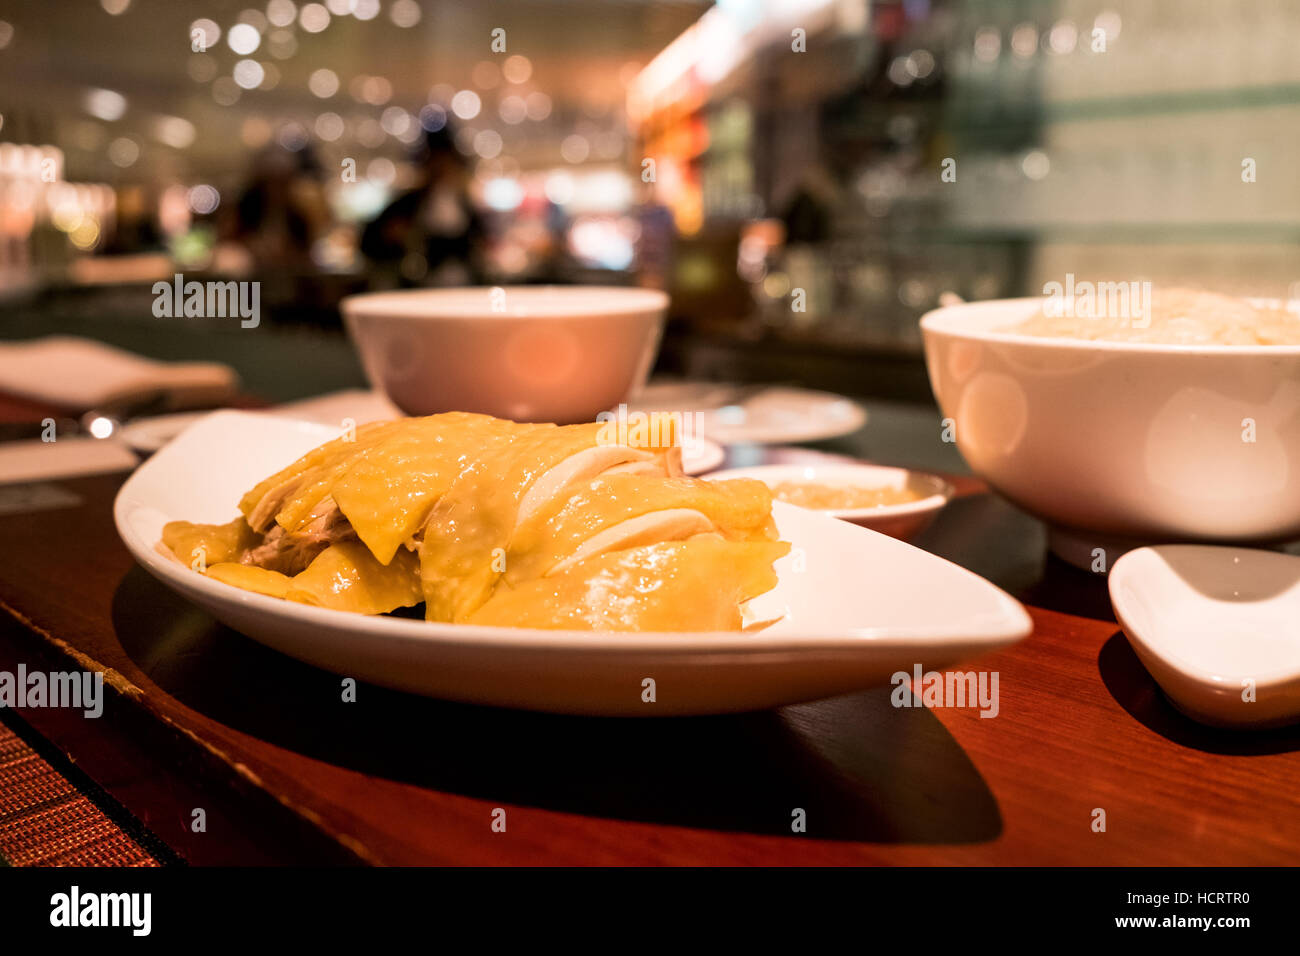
860, 768
1136, 691
1069, 590
988, 535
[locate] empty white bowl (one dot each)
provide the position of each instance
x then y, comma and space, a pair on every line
903, 521
1218, 628
1116, 444
527, 353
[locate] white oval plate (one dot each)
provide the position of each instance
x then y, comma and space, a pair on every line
1218, 628
856, 608
898, 521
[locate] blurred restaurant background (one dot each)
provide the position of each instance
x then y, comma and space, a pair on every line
805, 177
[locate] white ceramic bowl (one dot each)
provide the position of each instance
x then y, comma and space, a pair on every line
1116, 444
903, 521
528, 353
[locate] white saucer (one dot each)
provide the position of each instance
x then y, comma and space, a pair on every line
764, 416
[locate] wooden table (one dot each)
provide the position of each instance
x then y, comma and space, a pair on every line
201, 717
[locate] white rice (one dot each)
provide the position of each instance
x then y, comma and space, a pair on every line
1176, 317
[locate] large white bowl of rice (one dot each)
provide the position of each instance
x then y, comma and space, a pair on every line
1180, 422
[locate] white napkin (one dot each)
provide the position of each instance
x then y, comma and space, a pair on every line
80, 374
66, 458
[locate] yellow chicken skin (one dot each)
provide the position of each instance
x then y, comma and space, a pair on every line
740, 509
252, 578
695, 585
208, 543
347, 577
476, 518
494, 522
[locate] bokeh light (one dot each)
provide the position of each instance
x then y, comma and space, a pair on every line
248, 74
517, 68
282, 13
313, 18
323, 82
466, 104
203, 199
405, 13
123, 151
329, 126
243, 38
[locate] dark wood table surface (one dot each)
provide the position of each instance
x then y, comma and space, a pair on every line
199, 717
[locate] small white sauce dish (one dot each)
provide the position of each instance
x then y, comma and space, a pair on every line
1217, 627
902, 521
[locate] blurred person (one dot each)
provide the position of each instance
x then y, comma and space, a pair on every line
135, 229
807, 213
282, 211
656, 236
430, 235
808, 218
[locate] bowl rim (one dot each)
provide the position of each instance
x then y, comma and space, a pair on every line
471, 303
948, 320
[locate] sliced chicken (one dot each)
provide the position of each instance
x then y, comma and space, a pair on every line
671, 524
583, 466
263, 514
289, 552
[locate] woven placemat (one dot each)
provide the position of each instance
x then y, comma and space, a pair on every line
46, 820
